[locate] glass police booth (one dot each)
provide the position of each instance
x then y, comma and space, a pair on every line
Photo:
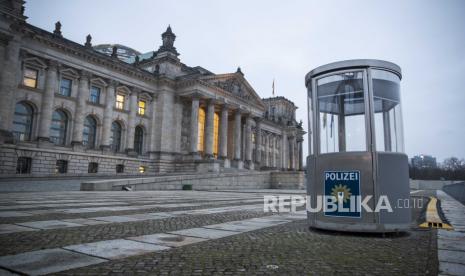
356, 165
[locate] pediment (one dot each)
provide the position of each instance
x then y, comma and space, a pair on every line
236, 85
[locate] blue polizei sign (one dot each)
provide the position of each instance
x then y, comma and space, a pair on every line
342, 194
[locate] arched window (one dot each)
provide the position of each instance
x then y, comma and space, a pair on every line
138, 139
59, 127
115, 139
22, 122
201, 130
89, 132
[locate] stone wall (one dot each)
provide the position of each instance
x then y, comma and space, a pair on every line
288, 180
215, 181
430, 184
44, 162
206, 181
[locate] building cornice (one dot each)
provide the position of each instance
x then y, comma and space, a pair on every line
84, 53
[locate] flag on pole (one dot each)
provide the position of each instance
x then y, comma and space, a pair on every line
273, 87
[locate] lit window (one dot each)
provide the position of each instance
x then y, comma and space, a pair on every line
94, 94
30, 77
216, 124
65, 87
142, 169
120, 101
201, 131
61, 166
142, 105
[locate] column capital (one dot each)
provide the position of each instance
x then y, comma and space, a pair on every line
258, 119
53, 64
135, 90
113, 83
85, 75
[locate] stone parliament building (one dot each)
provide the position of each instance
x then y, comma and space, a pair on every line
76, 109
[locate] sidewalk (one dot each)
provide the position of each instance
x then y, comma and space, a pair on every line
451, 244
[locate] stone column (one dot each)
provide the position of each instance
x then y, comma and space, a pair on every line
237, 134
47, 101
194, 139
83, 95
108, 114
153, 126
237, 139
273, 151
177, 130
258, 140
267, 151
224, 132
209, 129
248, 142
284, 151
300, 156
133, 98
292, 153
8, 82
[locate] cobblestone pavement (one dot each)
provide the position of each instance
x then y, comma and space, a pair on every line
190, 233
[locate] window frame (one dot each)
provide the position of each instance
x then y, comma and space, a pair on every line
92, 136
140, 146
112, 137
139, 108
92, 167
367, 108
36, 80
70, 86
28, 161
120, 104
29, 128
91, 96
65, 130
60, 164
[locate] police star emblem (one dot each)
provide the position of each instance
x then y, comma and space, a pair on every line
341, 192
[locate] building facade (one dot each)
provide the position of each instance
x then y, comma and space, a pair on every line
74, 109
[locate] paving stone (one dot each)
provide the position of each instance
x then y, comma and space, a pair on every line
9, 214
238, 226
115, 249
4, 272
11, 228
204, 233
167, 239
47, 261
49, 224
451, 256
85, 221
146, 216
116, 219
451, 268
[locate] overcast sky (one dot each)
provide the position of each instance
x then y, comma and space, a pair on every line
286, 39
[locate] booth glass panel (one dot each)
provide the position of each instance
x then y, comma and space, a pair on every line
388, 115
341, 113
310, 123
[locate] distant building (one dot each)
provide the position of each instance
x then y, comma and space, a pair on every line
424, 161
